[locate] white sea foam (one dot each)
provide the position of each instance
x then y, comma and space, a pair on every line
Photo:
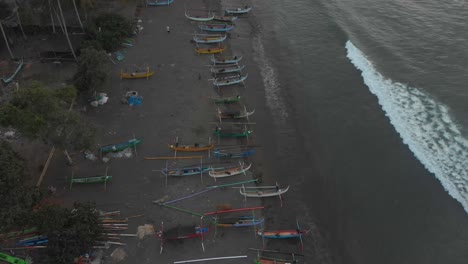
424, 124
274, 100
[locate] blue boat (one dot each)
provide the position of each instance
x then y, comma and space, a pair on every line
242, 221
159, 2
231, 155
13, 75
216, 27
120, 146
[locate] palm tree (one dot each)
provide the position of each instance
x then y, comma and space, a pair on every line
19, 20
65, 30
51, 17
85, 5
78, 15
5, 13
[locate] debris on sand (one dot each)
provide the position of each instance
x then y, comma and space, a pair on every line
118, 254
145, 230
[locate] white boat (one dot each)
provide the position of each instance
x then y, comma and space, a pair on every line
262, 192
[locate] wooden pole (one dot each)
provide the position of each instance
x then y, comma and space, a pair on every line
66, 31
6, 40
46, 166
172, 158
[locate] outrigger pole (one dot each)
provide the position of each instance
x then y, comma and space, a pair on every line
172, 158
209, 259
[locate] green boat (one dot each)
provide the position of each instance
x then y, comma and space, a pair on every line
13, 260
232, 134
120, 146
226, 100
96, 179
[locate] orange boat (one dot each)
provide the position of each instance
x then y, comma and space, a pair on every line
210, 50
191, 148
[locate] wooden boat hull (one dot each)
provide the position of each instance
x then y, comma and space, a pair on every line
227, 69
209, 50
229, 172
137, 75
120, 146
88, 180
232, 134
263, 193
200, 19
262, 260
281, 234
208, 39
229, 81
240, 222
238, 11
216, 28
181, 172
230, 60
226, 100
239, 115
227, 155
159, 3
191, 148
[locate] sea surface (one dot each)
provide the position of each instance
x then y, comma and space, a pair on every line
369, 103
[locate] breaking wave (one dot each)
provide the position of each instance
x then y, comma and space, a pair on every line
424, 124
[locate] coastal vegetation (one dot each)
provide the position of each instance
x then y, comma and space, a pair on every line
39, 112
91, 73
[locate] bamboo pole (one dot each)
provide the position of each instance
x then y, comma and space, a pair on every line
172, 158
209, 259
46, 166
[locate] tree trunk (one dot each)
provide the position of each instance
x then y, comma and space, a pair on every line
51, 17
66, 31
78, 15
59, 21
19, 21
6, 40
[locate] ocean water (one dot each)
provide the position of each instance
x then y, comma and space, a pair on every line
369, 99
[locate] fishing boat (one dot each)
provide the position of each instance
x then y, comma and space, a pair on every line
229, 68
226, 60
275, 260
136, 74
281, 234
210, 50
95, 179
262, 191
11, 259
182, 233
120, 146
232, 134
242, 221
225, 18
200, 19
226, 100
187, 171
159, 2
270, 260
216, 27
232, 155
208, 38
229, 172
234, 114
230, 80
10, 78
238, 11
191, 148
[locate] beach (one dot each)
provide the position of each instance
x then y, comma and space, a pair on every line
176, 104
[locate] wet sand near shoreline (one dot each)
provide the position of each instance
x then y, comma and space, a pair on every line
175, 104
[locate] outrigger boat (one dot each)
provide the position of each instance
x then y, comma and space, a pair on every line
180, 233
187, 171
136, 74
159, 2
232, 134
13, 260
239, 10
210, 50
284, 234
225, 18
231, 155
120, 146
262, 191
230, 80
96, 179
216, 27
241, 221
226, 100
234, 114
229, 172
191, 148
274, 260
13, 75
226, 60
198, 18
227, 68
209, 38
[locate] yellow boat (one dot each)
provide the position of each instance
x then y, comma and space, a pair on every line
209, 50
191, 148
136, 74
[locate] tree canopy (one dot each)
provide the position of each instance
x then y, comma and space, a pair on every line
91, 73
109, 30
18, 199
42, 113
